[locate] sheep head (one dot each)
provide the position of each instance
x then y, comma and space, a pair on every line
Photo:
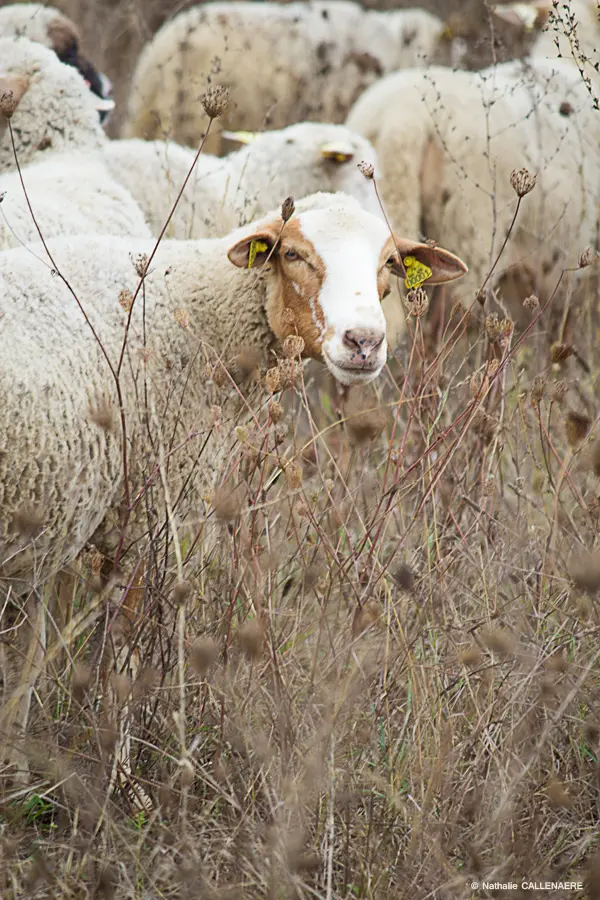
326, 272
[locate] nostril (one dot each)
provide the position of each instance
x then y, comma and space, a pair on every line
362, 341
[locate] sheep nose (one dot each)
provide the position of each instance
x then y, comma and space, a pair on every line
363, 341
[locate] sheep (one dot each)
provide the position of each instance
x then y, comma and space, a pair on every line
283, 63
69, 194
447, 143
224, 193
55, 112
320, 274
46, 25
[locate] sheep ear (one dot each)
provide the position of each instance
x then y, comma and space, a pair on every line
337, 151
63, 35
421, 264
12, 90
252, 251
526, 16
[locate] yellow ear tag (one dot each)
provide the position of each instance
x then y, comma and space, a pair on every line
416, 272
256, 247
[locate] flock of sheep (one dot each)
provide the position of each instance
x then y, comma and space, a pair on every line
106, 341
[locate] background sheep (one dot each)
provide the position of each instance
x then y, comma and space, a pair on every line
69, 194
224, 193
447, 143
48, 26
55, 111
196, 308
315, 59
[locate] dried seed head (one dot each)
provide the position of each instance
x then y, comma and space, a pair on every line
559, 391
531, 303
417, 302
537, 390
522, 181
288, 372
293, 475
403, 576
203, 654
293, 346
140, 263
252, 637
8, 104
245, 366
585, 572
182, 317
560, 352
492, 328
477, 383
182, 590
366, 616
507, 327
215, 100
280, 433
273, 380
121, 685
80, 681
471, 656
587, 258
227, 502
577, 426
366, 168
220, 375
288, 208
101, 413
145, 682
365, 426
499, 641
288, 317
126, 299
242, 433
276, 410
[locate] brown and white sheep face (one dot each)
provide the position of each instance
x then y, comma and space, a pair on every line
326, 272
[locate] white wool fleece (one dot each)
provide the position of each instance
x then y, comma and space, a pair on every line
224, 193
284, 63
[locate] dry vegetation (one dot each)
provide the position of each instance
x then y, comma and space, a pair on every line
380, 681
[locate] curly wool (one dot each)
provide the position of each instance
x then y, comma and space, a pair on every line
57, 112
314, 60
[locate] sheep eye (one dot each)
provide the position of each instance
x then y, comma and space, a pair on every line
392, 261
291, 255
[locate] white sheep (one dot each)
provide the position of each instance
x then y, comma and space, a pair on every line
68, 194
321, 274
223, 193
447, 143
48, 26
55, 112
283, 63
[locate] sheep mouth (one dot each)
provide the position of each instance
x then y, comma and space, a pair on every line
353, 372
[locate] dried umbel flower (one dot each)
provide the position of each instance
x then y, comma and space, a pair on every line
288, 316
101, 414
126, 299
366, 616
288, 371
537, 391
499, 641
280, 433
556, 792
252, 637
293, 346
559, 353
245, 366
417, 302
585, 572
365, 426
531, 303
366, 168
288, 208
522, 181
587, 258
121, 685
577, 426
181, 591
203, 654
227, 502
140, 263
8, 103
28, 520
273, 380
471, 656
276, 410
403, 576
492, 328
559, 391
81, 678
186, 772
215, 100
507, 326
477, 384
242, 433
182, 317
293, 475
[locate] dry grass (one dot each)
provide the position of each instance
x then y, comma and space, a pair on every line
381, 681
